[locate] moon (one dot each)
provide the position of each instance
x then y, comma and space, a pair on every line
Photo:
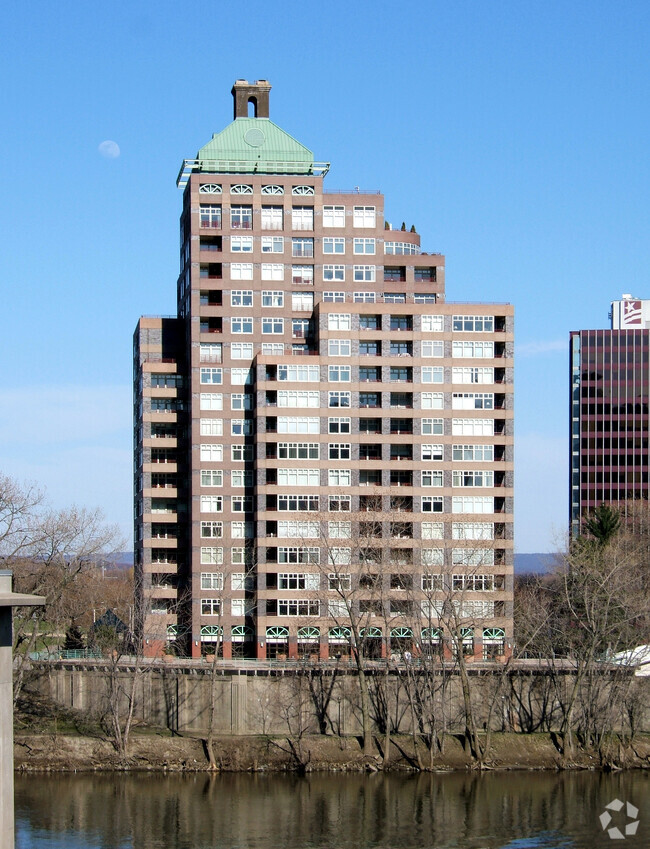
109, 149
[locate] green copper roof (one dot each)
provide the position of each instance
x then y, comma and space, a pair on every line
255, 139
252, 146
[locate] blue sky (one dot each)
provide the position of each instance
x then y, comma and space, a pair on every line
514, 135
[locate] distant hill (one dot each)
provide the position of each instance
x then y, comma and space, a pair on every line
526, 564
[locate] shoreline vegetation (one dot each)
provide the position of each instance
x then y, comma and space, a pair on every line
48, 738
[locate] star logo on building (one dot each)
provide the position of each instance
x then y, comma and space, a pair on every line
631, 312
631, 825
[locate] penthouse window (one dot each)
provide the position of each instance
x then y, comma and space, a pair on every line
210, 216
473, 323
272, 218
364, 216
302, 217
333, 216
241, 217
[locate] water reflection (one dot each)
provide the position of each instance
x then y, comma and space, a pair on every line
460, 810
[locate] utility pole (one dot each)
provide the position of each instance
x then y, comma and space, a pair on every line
8, 600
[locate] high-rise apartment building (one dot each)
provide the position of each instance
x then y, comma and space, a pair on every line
319, 435
610, 377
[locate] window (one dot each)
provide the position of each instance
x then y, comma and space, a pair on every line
432, 478
432, 504
339, 503
298, 424
210, 215
472, 427
424, 298
338, 583
364, 246
272, 271
432, 452
364, 297
472, 349
302, 218
211, 503
241, 244
241, 350
299, 373
394, 248
299, 328
432, 582
211, 453
298, 451
298, 398
302, 301
339, 530
241, 453
272, 218
369, 374
472, 375
274, 348
241, 377
432, 400
211, 556
334, 297
241, 557
339, 399
302, 275
401, 400
364, 273
334, 272
210, 353
272, 244
241, 298
472, 504
298, 554
273, 325
339, 321
339, 451
241, 427
210, 606
241, 530
241, 478
272, 298
241, 503
272, 190
472, 530
338, 424
364, 216
432, 557
211, 375
298, 503
298, 477
241, 324
241, 189
473, 323
302, 247
401, 322
433, 349
477, 453
242, 271
401, 349
240, 401
432, 374
472, 401
339, 347
394, 297
212, 529
302, 190
334, 245
211, 401
211, 427
340, 374
474, 477
298, 581
339, 477
333, 216
369, 399
432, 530
432, 426
340, 556
211, 477
369, 349
298, 607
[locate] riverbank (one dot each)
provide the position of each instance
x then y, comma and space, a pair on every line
160, 752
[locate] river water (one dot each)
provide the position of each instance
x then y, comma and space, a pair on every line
328, 811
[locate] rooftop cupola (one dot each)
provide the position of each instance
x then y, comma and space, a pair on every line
257, 94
